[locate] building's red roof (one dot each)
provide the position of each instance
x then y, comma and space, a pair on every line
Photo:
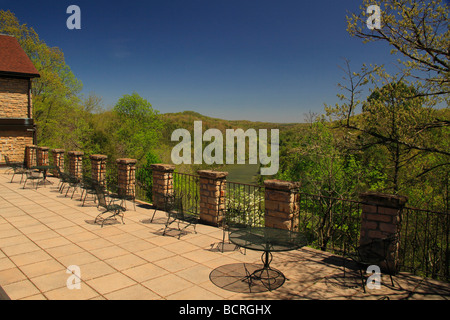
14, 60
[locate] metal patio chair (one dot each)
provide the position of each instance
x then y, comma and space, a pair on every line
176, 212
33, 176
113, 209
373, 253
17, 168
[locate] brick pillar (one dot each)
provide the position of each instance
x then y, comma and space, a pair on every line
42, 156
212, 196
58, 160
31, 156
98, 168
281, 204
126, 180
162, 183
76, 164
380, 219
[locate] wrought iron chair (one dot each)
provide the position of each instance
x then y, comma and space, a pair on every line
33, 176
112, 208
17, 168
88, 186
232, 219
173, 206
372, 253
64, 179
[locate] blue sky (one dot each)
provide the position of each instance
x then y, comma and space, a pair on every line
259, 60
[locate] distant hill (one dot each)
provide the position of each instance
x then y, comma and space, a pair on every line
186, 120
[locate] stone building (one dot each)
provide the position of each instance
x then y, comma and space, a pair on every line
17, 127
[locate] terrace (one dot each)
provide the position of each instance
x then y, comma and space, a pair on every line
43, 233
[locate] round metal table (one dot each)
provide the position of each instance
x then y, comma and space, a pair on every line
267, 240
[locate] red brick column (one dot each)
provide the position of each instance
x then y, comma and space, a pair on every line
380, 219
212, 196
162, 183
58, 160
31, 155
281, 204
42, 156
126, 180
98, 168
76, 164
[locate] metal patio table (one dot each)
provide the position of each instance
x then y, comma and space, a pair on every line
44, 169
267, 240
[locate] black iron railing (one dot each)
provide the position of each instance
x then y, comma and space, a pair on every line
331, 224
188, 186
247, 200
424, 243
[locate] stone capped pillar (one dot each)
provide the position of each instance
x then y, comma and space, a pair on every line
98, 168
162, 183
212, 196
58, 160
31, 156
126, 180
281, 204
42, 156
380, 219
76, 164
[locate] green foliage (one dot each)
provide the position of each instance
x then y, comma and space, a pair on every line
138, 126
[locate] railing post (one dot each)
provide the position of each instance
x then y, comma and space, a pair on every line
126, 180
42, 156
281, 204
162, 183
58, 161
76, 164
30, 156
212, 196
380, 219
98, 168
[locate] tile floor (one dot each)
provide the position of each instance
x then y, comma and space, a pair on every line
43, 234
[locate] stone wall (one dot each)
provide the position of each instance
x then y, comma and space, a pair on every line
13, 98
12, 144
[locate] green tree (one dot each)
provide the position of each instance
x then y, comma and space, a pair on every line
56, 94
138, 126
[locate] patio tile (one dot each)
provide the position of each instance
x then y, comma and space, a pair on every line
175, 263
84, 293
12, 275
51, 281
42, 267
21, 289
125, 262
20, 248
145, 272
167, 285
154, 254
52, 242
6, 263
110, 283
194, 293
30, 258
108, 252
64, 250
79, 258
136, 292
95, 269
